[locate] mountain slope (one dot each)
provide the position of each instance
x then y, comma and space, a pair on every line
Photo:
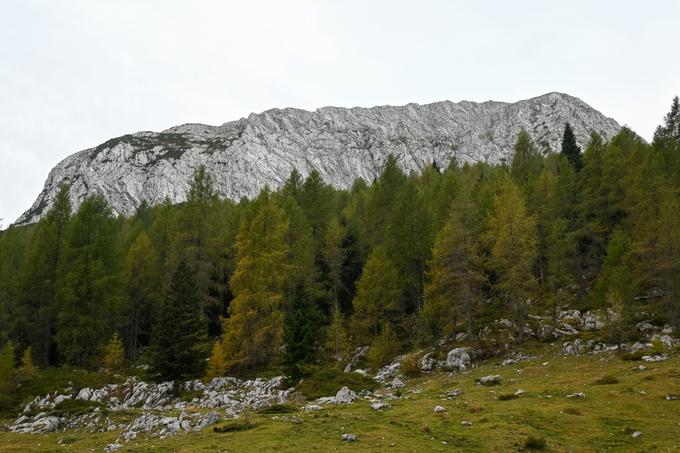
342, 144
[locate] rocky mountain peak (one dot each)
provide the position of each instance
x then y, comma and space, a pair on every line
342, 144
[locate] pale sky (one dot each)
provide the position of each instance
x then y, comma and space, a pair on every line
74, 73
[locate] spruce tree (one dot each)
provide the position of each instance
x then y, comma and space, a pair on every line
196, 238
178, 346
300, 334
670, 130
570, 149
408, 240
316, 200
90, 300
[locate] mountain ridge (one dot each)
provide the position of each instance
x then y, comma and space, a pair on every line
343, 144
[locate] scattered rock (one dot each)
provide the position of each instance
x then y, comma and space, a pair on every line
388, 372
112, 447
439, 409
466, 423
636, 434
380, 405
519, 392
349, 437
572, 347
671, 397
207, 420
312, 407
516, 357
577, 395
655, 358
427, 363
345, 396
41, 423
490, 380
454, 393
397, 383
644, 327
458, 359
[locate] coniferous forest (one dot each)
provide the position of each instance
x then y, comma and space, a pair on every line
298, 277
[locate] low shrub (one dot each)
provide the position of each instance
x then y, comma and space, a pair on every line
235, 426
507, 396
534, 443
474, 408
74, 408
572, 411
410, 366
278, 409
606, 380
328, 381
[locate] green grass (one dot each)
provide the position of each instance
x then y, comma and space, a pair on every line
603, 420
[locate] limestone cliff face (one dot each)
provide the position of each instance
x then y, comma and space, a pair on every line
342, 144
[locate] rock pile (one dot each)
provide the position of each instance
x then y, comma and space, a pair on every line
231, 394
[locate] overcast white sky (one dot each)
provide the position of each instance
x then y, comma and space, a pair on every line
74, 73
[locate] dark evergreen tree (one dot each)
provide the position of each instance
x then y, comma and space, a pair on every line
179, 342
570, 149
39, 279
301, 330
670, 129
90, 299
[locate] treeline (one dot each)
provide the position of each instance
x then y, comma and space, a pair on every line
301, 275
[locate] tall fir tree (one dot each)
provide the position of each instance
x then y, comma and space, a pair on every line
570, 149
408, 240
179, 341
90, 300
300, 334
40, 275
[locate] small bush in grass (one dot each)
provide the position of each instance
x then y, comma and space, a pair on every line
507, 396
278, 409
474, 408
410, 366
188, 395
534, 443
74, 408
606, 380
67, 440
328, 381
572, 411
235, 426
425, 429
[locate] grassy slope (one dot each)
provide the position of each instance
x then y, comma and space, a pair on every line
604, 419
